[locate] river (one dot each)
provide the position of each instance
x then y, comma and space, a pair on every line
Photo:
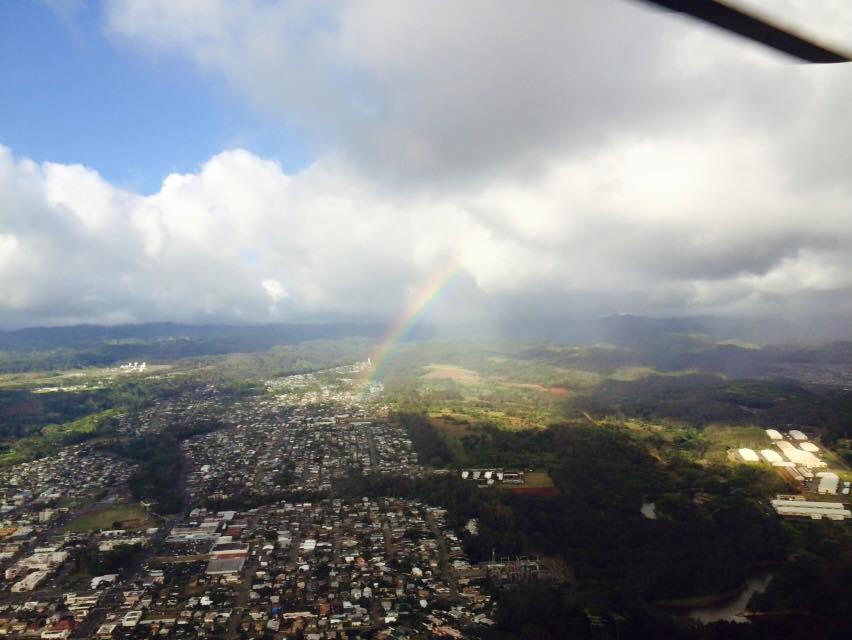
731, 609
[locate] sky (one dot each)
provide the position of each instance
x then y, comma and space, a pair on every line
264, 161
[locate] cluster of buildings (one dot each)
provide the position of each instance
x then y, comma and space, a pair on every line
797, 458
37, 602
31, 570
294, 563
133, 367
37, 496
172, 597
193, 406
344, 385
489, 477
89, 382
327, 570
796, 506
336, 568
70, 474
278, 450
38, 618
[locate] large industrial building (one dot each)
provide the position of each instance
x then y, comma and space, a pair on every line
772, 457
828, 482
813, 510
748, 455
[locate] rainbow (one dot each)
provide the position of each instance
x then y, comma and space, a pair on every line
431, 291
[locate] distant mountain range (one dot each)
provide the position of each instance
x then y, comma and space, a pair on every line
253, 337
732, 347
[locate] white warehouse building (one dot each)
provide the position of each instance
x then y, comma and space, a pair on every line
813, 510
772, 457
748, 455
828, 482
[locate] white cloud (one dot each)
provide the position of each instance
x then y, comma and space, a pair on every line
468, 90
597, 152
242, 240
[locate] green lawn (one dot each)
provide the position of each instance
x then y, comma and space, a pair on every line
723, 437
130, 516
537, 480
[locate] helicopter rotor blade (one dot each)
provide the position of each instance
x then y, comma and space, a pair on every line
736, 20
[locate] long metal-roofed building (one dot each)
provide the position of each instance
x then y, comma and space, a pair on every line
812, 510
748, 455
226, 565
772, 457
828, 482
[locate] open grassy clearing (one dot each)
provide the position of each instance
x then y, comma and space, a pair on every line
129, 516
510, 416
537, 480
723, 437
450, 372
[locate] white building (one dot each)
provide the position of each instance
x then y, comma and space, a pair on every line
29, 582
828, 482
748, 455
809, 446
798, 435
802, 458
772, 457
774, 434
813, 510
131, 618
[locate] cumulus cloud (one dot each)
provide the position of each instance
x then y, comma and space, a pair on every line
571, 154
241, 240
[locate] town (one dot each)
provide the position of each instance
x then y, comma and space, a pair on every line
263, 547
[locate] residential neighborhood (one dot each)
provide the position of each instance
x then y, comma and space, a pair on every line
264, 548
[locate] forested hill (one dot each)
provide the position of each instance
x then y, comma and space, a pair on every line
76, 336
92, 345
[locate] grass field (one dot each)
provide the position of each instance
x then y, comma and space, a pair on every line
450, 372
130, 516
535, 483
537, 480
728, 437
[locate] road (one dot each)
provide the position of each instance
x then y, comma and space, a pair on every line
242, 598
447, 571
